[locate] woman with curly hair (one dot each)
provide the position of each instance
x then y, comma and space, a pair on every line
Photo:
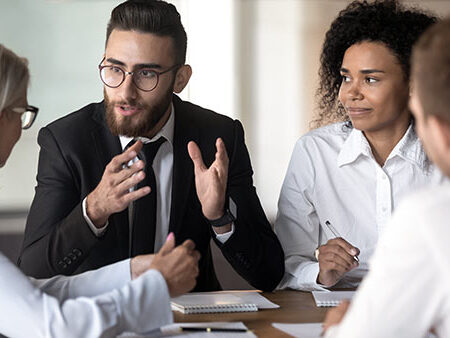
344, 179
413, 253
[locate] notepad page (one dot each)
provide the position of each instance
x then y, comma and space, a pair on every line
331, 298
222, 301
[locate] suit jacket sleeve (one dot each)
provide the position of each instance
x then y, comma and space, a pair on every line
26, 311
57, 237
253, 249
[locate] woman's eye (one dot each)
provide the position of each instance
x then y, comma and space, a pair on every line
345, 78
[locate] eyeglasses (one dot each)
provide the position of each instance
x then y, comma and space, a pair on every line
29, 114
145, 79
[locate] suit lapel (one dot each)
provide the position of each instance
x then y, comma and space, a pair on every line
183, 170
107, 146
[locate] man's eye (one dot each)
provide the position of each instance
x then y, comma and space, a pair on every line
371, 80
147, 73
113, 69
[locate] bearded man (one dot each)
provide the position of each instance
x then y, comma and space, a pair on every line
115, 177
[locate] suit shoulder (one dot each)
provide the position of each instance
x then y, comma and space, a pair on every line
204, 118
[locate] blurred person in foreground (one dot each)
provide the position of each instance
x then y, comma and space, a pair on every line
131, 295
414, 253
345, 179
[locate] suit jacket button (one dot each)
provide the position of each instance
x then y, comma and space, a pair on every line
77, 252
67, 260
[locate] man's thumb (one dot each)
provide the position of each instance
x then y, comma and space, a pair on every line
168, 245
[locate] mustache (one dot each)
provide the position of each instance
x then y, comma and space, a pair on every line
134, 103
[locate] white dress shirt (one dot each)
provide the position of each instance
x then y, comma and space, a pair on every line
407, 291
333, 176
99, 303
163, 169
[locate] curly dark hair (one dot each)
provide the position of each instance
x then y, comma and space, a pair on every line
383, 21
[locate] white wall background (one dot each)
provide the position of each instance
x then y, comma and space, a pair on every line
255, 60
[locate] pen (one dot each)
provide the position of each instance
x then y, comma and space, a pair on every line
210, 329
336, 234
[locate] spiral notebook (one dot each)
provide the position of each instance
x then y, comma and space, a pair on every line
331, 298
223, 301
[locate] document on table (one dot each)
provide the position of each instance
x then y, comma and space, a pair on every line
173, 330
221, 301
308, 330
331, 298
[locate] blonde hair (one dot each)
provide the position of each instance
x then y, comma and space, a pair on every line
431, 70
14, 77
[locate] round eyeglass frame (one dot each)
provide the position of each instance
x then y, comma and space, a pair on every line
31, 111
125, 73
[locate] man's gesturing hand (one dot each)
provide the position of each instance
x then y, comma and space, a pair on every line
112, 193
211, 183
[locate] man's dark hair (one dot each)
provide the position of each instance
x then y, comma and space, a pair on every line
385, 21
151, 16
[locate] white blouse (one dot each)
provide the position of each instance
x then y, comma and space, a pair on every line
333, 176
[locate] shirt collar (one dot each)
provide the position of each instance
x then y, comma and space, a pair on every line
166, 132
354, 146
409, 148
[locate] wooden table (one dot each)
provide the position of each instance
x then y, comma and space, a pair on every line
295, 307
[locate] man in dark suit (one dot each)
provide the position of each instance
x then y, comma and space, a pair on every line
101, 198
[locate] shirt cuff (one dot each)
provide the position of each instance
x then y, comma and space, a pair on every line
97, 231
303, 277
222, 238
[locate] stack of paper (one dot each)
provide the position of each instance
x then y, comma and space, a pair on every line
331, 298
222, 301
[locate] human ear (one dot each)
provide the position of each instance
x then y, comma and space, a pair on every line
182, 78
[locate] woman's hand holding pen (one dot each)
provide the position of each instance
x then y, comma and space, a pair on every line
336, 258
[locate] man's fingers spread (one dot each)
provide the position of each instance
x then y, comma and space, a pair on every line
221, 153
196, 156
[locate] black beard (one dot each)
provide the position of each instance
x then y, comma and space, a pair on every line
141, 125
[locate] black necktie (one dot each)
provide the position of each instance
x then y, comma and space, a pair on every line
144, 209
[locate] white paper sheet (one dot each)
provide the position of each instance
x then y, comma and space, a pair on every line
173, 330
308, 330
